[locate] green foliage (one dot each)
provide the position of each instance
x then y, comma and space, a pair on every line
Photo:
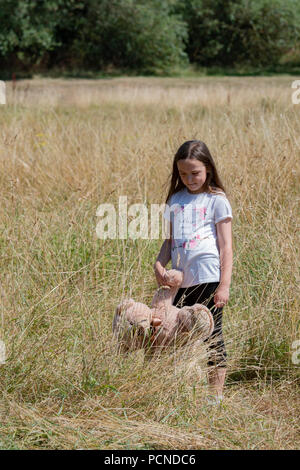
27, 29
148, 36
136, 34
140, 35
231, 32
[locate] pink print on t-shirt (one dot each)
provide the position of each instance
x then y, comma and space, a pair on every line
202, 212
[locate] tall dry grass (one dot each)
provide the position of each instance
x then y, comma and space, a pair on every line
65, 148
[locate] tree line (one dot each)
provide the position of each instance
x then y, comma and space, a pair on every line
145, 36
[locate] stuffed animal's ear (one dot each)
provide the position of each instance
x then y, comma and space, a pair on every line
121, 308
131, 324
124, 305
204, 319
198, 319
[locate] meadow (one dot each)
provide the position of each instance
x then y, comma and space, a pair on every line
67, 146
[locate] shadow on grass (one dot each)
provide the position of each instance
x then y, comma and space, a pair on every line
188, 72
287, 69
265, 374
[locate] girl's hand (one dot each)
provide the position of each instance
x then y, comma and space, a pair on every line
160, 274
221, 296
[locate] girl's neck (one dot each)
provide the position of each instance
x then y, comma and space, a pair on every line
195, 193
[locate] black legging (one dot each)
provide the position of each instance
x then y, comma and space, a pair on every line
204, 294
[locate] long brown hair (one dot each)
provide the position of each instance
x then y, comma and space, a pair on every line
197, 150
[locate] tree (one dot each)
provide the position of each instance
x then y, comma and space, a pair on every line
133, 34
139, 35
231, 32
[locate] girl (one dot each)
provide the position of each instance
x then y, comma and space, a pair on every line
200, 245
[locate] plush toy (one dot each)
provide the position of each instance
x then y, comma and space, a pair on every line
138, 326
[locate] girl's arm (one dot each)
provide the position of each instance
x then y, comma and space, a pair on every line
163, 258
224, 235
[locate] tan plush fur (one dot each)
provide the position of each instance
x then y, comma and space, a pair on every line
137, 326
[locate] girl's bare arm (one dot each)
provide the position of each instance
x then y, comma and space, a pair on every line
224, 234
163, 258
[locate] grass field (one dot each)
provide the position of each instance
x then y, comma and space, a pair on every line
65, 148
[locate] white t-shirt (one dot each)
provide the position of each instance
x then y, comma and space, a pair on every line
195, 248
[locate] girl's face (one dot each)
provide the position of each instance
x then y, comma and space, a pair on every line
193, 174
